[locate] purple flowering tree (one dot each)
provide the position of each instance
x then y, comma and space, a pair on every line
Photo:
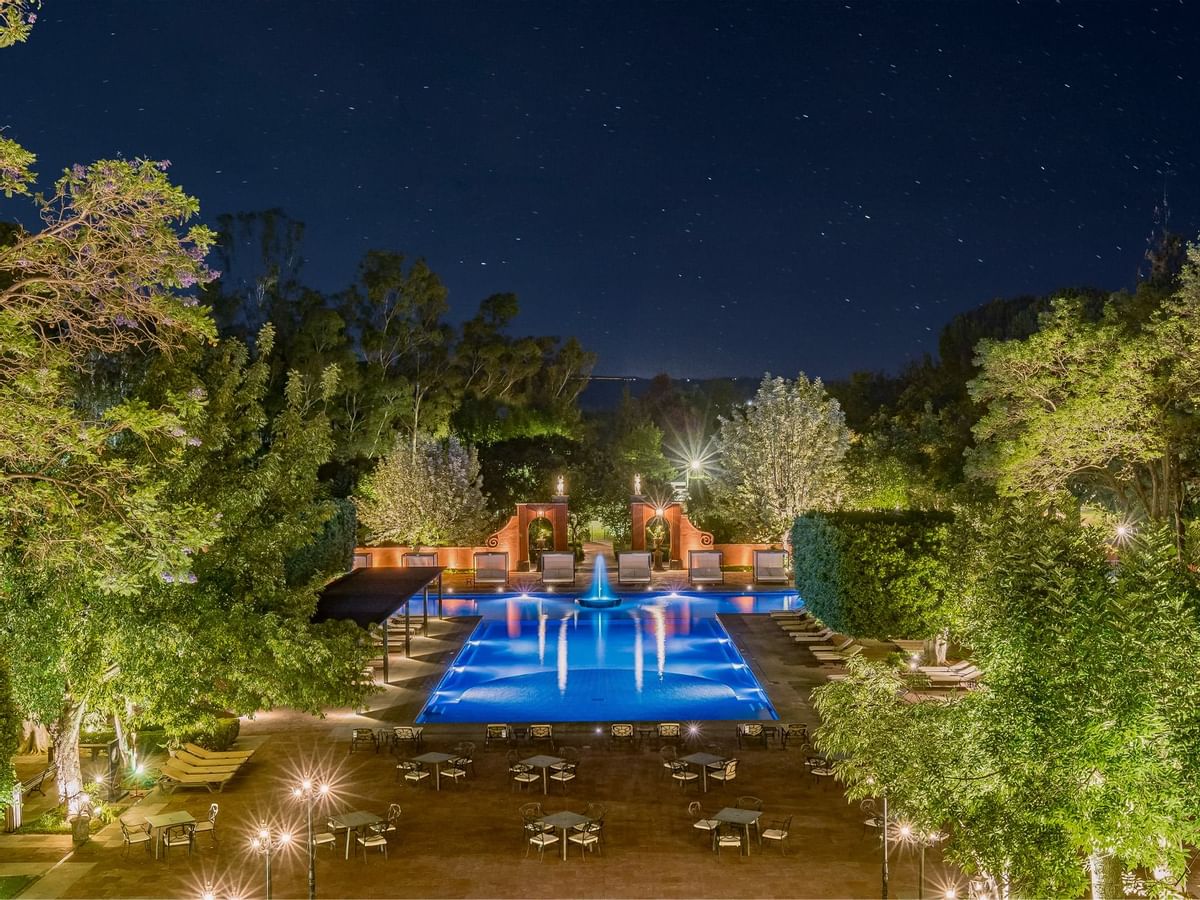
83, 474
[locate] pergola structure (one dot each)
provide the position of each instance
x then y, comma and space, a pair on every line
374, 596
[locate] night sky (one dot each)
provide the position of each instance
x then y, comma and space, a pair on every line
696, 188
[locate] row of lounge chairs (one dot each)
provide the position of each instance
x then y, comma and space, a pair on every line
633, 567
194, 766
833, 649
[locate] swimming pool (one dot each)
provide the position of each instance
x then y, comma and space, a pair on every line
654, 657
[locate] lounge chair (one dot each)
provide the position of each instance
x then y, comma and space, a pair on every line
207, 765
558, 567
633, 567
217, 755
491, 569
704, 567
813, 637
831, 647
419, 560
173, 777
769, 567
838, 657
497, 734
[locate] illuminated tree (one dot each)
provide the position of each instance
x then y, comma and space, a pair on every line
432, 499
1081, 743
780, 455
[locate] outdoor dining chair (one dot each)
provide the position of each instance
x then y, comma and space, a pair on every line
751, 732
621, 733
726, 774
670, 732
320, 839
542, 734
134, 834
464, 758
412, 771
563, 773
796, 731
374, 836
728, 836
537, 836
522, 775
182, 835
700, 821
363, 737
683, 775
209, 824
668, 756
496, 734
588, 836
777, 830
406, 734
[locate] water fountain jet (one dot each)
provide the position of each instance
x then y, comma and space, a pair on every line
599, 595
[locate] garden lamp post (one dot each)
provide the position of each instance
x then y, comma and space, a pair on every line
310, 792
885, 847
267, 842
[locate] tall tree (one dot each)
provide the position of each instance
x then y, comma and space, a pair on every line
781, 455
1079, 407
1082, 742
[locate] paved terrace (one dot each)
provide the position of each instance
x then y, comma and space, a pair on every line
466, 840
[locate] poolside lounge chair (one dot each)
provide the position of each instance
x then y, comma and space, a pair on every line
173, 777
558, 567
669, 733
831, 647
491, 569
633, 567
837, 657
704, 567
541, 734
207, 765
217, 755
414, 560
769, 567
621, 733
813, 637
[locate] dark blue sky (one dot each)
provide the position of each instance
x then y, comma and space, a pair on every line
691, 187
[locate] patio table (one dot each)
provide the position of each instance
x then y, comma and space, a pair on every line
435, 760
703, 760
543, 763
353, 822
743, 817
161, 821
564, 820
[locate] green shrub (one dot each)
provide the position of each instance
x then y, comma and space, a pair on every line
219, 735
874, 574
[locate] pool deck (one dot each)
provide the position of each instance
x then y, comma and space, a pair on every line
466, 840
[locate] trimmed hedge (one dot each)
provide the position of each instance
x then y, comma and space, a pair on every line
874, 574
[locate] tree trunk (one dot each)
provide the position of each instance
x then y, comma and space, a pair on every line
69, 775
1105, 870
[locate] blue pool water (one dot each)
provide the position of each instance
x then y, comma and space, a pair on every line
653, 657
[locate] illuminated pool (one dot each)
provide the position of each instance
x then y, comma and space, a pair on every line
655, 657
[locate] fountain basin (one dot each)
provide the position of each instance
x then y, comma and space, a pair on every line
601, 602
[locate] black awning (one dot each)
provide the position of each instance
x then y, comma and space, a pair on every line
368, 596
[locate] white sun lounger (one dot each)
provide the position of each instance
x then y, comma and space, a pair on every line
769, 567
704, 567
558, 567
491, 569
633, 567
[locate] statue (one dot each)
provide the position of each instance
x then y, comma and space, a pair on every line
562, 488
637, 485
